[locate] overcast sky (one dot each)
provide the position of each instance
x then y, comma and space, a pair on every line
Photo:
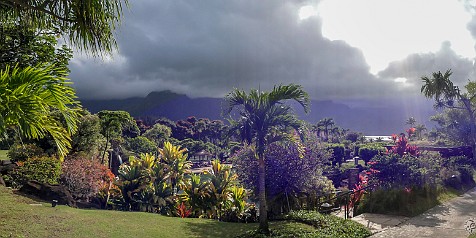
336, 49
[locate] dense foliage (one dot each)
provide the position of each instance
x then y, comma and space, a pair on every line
22, 152
41, 169
369, 151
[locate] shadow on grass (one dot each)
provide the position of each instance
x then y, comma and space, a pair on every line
219, 229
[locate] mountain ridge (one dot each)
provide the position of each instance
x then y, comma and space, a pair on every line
372, 118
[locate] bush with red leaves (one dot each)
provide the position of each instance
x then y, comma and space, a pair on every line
84, 177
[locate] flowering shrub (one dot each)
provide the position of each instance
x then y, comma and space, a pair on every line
42, 169
84, 177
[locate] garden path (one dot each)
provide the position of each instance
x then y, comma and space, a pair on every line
445, 220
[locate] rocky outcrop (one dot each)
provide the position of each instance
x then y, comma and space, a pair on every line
49, 192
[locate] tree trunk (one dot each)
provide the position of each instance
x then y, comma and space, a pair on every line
263, 213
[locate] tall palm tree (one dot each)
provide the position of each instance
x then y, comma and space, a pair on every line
326, 123
261, 114
37, 104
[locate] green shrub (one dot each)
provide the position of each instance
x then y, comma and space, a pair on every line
19, 152
142, 145
338, 152
42, 169
313, 224
368, 151
329, 225
404, 202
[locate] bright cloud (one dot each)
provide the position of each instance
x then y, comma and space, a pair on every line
389, 30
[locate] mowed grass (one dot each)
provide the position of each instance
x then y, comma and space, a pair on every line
20, 219
3, 154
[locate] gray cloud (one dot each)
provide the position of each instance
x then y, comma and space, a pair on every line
205, 48
414, 66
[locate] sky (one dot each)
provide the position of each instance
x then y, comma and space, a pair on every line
336, 49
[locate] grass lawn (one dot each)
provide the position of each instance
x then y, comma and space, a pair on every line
3, 154
19, 219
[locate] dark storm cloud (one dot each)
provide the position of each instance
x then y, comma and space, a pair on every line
414, 66
205, 48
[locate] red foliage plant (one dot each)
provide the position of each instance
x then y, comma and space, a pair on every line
85, 177
182, 211
411, 131
402, 147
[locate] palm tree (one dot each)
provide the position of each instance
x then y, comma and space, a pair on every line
419, 129
326, 123
87, 24
36, 104
411, 121
261, 113
439, 86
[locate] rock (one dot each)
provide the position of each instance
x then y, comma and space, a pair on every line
49, 192
5, 162
2, 183
4, 169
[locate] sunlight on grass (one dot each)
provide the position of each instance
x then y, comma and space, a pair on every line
3, 154
19, 219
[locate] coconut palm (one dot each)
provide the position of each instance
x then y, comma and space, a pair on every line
263, 113
37, 104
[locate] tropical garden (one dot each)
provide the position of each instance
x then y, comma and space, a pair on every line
266, 172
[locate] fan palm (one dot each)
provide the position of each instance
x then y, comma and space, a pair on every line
261, 114
30, 98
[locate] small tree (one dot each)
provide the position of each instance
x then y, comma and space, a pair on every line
447, 95
263, 113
